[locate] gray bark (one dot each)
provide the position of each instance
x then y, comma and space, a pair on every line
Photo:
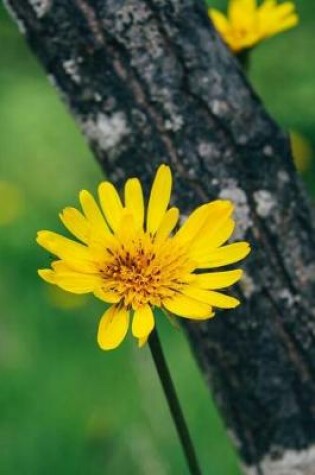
149, 81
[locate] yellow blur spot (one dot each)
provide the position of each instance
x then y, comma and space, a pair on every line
11, 202
59, 298
97, 427
302, 151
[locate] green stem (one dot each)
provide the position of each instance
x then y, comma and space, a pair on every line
173, 403
244, 58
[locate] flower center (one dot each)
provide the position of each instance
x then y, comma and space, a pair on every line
142, 272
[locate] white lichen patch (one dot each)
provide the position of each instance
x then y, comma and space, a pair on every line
174, 123
52, 81
106, 130
41, 7
97, 96
183, 218
219, 108
173, 119
247, 285
130, 14
268, 150
234, 438
283, 177
204, 149
17, 20
307, 274
72, 69
265, 202
242, 211
209, 150
292, 462
136, 25
286, 296
242, 139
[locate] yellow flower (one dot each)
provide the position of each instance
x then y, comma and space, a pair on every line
247, 23
12, 203
136, 262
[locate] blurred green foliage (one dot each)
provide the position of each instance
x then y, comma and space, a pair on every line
65, 406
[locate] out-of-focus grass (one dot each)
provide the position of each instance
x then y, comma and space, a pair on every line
66, 407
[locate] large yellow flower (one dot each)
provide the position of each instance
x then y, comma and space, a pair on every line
247, 23
135, 262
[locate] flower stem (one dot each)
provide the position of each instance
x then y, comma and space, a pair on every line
244, 59
173, 403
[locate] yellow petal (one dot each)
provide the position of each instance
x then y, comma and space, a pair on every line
93, 214
167, 225
81, 257
61, 266
219, 209
187, 307
126, 229
284, 25
225, 255
220, 21
159, 198
219, 212
270, 10
202, 247
143, 322
217, 227
285, 9
275, 18
267, 4
205, 222
48, 275
215, 299
142, 341
107, 295
217, 280
113, 328
220, 234
65, 266
111, 204
134, 200
76, 223
76, 282
193, 225
242, 13
220, 300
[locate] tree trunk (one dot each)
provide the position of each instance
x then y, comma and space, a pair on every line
149, 81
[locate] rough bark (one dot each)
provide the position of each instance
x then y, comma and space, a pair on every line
149, 81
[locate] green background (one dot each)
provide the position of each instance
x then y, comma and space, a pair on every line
65, 406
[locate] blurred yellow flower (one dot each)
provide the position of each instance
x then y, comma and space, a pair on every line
135, 262
302, 151
11, 203
247, 24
